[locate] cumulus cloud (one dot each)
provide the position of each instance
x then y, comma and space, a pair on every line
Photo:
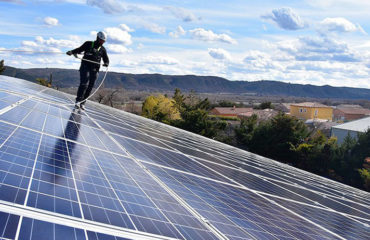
162, 60
286, 19
118, 36
209, 36
178, 32
50, 21
339, 25
58, 43
182, 14
219, 53
153, 27
320, 49
40, 45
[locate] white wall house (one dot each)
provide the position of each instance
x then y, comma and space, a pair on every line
351, 128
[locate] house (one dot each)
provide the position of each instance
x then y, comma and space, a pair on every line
352, 129
311, 110
348, 113
230, 111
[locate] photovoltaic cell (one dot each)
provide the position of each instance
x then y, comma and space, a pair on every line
333, 221
32, 229
165, 157
248, 214
52, 187
8, 225
98, 200
53, 126
150, 192
34, 120
40, 230
5, 132
17, 156
15, 115
4, 104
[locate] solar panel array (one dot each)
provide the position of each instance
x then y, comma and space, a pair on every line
107, 174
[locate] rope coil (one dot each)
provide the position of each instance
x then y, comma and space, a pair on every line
82, 59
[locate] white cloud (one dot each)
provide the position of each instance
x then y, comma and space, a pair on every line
182, 14
153, 27
255, 55
49, 46
118, 36
209, 36
219, 53
117, 48
339, 25
126, 28
61, 43
319, 49
178, 32
162, 60
50, 21
286, 19
108, 6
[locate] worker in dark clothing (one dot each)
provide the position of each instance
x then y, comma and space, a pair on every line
93, 51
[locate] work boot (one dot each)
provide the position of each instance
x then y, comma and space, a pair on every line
82, 106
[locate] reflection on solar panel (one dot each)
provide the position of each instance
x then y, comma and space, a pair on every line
107, 174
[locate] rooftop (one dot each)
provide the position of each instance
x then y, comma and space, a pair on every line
350, 110
310, 104
360, 125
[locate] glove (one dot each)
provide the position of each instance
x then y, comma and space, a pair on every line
75, 55
105, 65
69, 53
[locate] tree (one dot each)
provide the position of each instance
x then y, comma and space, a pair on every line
245, 131
100, 95
160, 108
179, 99
315, 153
2, 67
196, 121
110, 96
276, 138
365, 176
43, 82
265, 105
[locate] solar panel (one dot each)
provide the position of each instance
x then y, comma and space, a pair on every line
107, 174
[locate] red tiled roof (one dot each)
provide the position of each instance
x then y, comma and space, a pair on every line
355, 111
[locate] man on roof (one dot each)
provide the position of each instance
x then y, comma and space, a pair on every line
90, 64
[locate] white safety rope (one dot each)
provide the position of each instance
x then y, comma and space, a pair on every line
51, 52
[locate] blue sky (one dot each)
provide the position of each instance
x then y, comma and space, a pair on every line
308, 41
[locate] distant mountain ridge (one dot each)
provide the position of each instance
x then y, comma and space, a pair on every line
203, 84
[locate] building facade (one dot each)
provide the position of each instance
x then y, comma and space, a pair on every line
310, 110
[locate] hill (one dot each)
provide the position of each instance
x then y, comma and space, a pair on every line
64, 78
